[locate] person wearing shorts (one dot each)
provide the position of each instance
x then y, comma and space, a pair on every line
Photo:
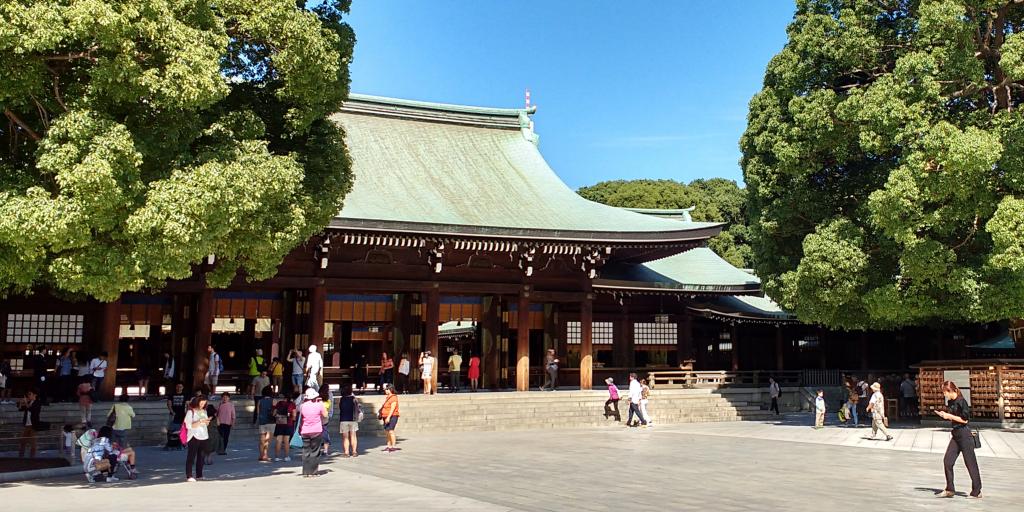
348, 408
389, 415
265, 419
284, 427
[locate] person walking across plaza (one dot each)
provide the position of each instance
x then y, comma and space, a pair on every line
611, 406
427, 371
645, 395
388, 414
123, 413
454, 371
474, 372
215, 365
311, 429
298, 369
176, 408
876, 406
403, 374
550, 371
196, 423
226, 416
819, 409
314, 369
348, 418
636, 392
961, 440
266, 422
774, 391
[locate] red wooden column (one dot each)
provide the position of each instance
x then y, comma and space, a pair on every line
317, 317
587, 342
109, 344
490, 330
779, 362
432, 318
204, 333
734, 335
523, 342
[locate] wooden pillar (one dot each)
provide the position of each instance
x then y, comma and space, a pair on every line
734, 337
490, 332
317, 317
204, 333
780, 363
431, 320
684, 338
587, 342
109, 344
523, 342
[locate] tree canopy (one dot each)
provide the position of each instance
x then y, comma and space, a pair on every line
716, 200
884, 159
141, 136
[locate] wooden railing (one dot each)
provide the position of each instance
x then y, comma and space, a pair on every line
721, 378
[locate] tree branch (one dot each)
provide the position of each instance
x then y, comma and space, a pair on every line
17, 120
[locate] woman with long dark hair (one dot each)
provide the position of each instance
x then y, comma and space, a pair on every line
196, 422
962, 441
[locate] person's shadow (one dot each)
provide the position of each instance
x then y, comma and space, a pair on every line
937, 491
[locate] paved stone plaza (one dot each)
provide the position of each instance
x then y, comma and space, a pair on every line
719, 467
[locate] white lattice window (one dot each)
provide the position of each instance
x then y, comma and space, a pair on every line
601, 333
31, 328
653, 333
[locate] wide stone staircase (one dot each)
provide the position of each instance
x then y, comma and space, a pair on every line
445, 412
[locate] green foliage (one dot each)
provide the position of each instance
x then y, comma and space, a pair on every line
141, 136
884, 160
716, 199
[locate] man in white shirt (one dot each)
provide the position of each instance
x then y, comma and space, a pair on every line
636, 392
98, 369
877, 409
314, 366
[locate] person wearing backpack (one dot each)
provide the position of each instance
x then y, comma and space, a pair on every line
350, 414
213, 371
284, 428
257, 364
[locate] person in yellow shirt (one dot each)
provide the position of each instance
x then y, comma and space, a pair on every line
122, 414
276, 374
454, 370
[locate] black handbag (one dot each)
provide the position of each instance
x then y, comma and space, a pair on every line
976, 436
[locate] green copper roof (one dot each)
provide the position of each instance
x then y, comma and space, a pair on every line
1001, 341
451, 169
696, 270
740, 308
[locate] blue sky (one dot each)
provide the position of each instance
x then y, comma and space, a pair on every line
624, 90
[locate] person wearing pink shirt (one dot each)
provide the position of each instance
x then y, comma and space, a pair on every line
225, 418
311, 430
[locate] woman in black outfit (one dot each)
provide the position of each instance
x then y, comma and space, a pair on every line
962, 442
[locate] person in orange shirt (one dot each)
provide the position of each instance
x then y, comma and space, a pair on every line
389, 415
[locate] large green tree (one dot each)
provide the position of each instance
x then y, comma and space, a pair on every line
716, 200
884, 159
140, 136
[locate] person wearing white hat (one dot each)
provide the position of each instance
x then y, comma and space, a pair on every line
876, 406
311, 430
314, 367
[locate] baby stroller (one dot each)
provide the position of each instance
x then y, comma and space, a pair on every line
173, 436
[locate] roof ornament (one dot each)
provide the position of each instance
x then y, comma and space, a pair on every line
526, 122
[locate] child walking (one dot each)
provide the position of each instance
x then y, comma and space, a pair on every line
819, 409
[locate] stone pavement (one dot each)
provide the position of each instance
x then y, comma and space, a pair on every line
661, 468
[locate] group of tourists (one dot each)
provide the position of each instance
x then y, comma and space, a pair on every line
57, 375
638, 395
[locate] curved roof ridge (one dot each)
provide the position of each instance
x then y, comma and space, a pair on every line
512, 118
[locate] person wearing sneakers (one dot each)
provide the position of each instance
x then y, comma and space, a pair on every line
196, 423
876, 406
962, 441
611, 406
636, 392
284, 427
265, 419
